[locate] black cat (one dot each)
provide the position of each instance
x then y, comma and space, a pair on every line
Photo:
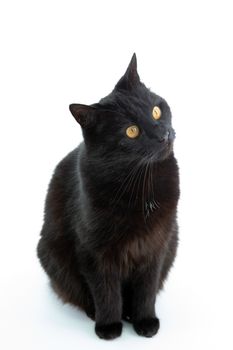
110, 232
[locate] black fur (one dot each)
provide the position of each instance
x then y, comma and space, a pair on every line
110, 233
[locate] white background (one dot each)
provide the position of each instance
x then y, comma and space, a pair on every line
54, 53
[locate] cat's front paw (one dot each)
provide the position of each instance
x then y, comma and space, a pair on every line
147, 327
108, 331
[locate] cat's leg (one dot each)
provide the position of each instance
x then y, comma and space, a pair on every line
106, 291
77, 294
127, 302
144, 287
59, 261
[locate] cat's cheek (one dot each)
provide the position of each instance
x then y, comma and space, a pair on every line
123, 146
122, 143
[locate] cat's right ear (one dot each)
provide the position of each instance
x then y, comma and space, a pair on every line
83, 114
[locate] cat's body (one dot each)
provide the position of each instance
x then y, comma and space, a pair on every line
110, 233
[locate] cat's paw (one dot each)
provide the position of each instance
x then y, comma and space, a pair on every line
109, 331
147, 327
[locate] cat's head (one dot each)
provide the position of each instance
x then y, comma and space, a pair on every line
131, 122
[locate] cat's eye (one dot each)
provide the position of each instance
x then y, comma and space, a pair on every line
156, 113
132, 131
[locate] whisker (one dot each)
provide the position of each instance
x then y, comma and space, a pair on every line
139, 182
143, 193
123, 183
134, 182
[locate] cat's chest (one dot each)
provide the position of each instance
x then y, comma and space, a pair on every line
140, 245
138, 250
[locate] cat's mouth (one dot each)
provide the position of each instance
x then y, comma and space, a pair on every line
161, 154
169, 148
166, 150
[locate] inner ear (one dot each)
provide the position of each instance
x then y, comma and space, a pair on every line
83, 114
131, 78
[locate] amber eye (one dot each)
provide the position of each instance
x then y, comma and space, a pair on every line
156, 113
132, 131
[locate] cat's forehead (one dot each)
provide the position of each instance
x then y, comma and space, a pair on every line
134, 103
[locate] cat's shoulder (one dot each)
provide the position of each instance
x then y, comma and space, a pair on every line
65, 173
68, 161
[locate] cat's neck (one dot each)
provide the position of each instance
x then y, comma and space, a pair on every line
138, 186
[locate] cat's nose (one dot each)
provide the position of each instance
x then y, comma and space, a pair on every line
165, 137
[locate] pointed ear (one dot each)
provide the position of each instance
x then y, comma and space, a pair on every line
83, 114
131, 77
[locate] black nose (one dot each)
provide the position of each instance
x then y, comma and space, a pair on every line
165, 137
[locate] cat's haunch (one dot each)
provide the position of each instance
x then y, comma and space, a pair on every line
110, 231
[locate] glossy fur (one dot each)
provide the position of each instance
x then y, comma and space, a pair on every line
110, 233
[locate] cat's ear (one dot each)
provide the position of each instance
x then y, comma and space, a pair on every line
83, 114
131, 78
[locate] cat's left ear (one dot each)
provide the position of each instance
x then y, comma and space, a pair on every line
83, 114
131, 78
